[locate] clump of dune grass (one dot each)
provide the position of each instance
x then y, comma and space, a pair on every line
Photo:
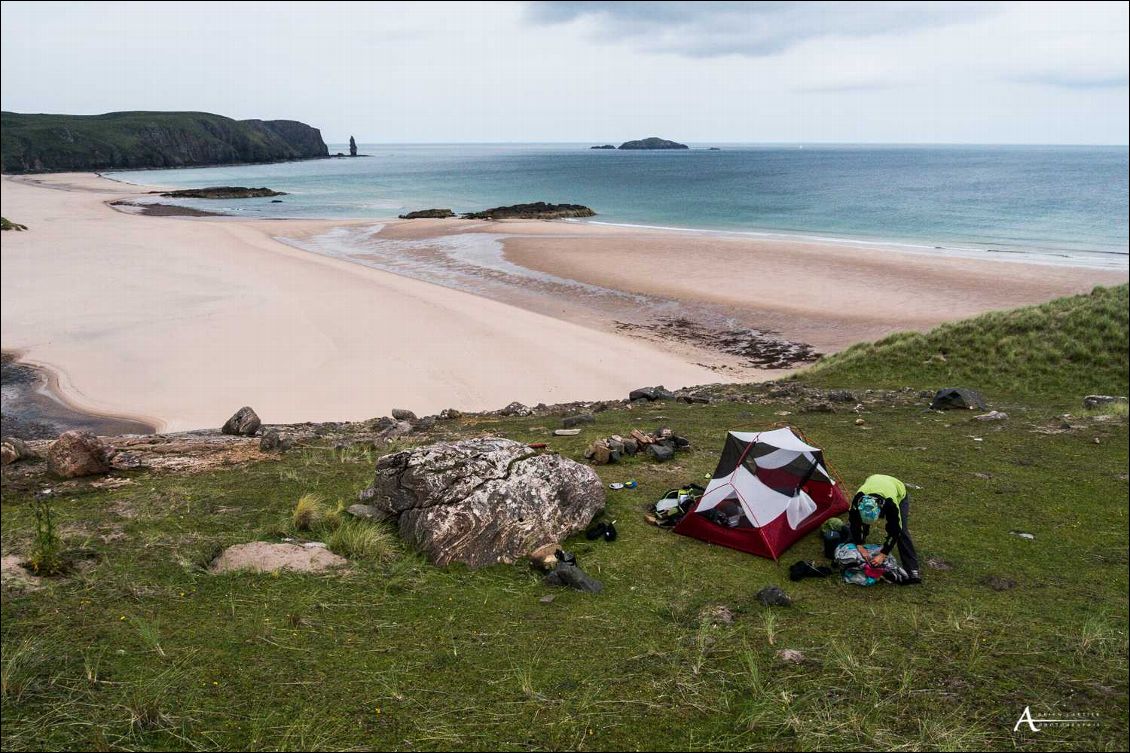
312, 512
362, 541
6, 224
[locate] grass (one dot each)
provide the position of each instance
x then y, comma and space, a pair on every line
6, 224
1055, 352
144, 650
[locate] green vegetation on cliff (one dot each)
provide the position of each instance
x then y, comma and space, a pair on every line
36, 143
143, 649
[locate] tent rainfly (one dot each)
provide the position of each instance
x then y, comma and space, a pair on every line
770, 489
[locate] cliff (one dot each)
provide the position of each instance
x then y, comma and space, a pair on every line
130, 140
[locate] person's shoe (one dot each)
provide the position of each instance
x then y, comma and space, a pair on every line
914, 579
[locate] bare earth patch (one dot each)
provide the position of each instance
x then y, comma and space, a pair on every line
265, 557
14, 577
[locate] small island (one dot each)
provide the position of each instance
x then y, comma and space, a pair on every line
428, 214
222, 192
603, 146
653, 142
539, 210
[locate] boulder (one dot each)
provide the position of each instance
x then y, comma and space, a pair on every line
651, 394
265, 557
271, 440
483, 501
661, 452
403, 414
1097, 401
426, 423
244, 422
366, 512
78, 453
448, 414
516, 409
584, 418
958, 398
13, 449
571, 576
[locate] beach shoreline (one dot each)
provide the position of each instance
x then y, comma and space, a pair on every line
227, 315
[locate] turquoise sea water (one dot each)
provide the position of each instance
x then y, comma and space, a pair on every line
1040, 203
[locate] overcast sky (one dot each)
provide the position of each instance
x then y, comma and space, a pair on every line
590, 72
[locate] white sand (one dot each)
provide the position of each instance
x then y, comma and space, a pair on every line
182, 321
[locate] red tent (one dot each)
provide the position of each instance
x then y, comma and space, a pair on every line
770, 489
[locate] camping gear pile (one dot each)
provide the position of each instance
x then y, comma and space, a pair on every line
659, 445
857, 570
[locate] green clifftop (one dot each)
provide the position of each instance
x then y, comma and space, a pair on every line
127, 140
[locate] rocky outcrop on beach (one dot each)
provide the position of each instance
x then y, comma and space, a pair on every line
603, 146
653, 142
538, 210
428, 214
6, 224
222, 192
39, 143
483, 501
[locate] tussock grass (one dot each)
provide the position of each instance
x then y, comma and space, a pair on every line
362, 541
310, 512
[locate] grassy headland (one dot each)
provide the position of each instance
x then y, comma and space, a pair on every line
144, 649
37, 143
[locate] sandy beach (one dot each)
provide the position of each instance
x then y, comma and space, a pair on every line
179, 321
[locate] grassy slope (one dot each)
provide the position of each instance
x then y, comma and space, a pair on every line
144, 650
140, 139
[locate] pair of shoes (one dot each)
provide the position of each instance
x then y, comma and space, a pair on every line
914, 579
606, 531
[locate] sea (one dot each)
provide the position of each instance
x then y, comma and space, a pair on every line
1048, 204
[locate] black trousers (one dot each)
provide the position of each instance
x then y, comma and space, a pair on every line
908, 557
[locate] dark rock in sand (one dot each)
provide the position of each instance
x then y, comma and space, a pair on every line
78, 453
572, 576
538, 210
222, 192
653, 142
584, 418
483, 501
428, 214
773, 596
244, 423
958, 398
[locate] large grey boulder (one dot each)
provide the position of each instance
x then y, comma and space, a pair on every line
78, 453
958, 398
244, 422
483, 501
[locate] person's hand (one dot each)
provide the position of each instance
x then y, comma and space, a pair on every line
878, 559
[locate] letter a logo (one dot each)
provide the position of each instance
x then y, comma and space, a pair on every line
1026, 718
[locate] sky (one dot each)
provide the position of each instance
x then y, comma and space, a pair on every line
698, 72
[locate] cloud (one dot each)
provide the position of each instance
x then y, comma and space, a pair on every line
1067, 80
750, 29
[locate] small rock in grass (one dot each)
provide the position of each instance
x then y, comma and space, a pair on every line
547, 599
570, 422
937, 563
997, 583
1022, 535
367, 512
791, 656
995, 415
265, 557
773, 596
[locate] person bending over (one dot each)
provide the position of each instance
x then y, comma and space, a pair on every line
886, 498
